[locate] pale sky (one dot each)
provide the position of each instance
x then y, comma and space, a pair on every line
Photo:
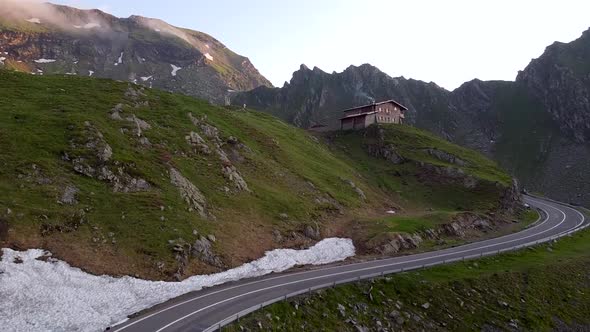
447, 42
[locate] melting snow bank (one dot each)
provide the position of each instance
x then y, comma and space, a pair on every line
44, 60
175, 69
38, 295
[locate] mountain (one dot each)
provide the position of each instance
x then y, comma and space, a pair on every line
537, 127
121, 179
49, 39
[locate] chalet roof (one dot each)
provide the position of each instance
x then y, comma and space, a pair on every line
357, 115
379, 103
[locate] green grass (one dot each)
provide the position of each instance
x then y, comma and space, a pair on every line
287, 170
535, 288
412, 224
40, 116
405, 179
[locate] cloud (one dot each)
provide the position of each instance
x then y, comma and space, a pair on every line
45, 13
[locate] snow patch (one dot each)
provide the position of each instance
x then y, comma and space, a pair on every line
45, 60
208, 56
146, 78
90, 72
120, 60
50, 295
2, 59
157, 30
77, 26
34, 20
391, 212
207, 45
175, 69
91, 26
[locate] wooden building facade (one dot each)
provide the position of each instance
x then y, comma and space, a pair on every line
360, 117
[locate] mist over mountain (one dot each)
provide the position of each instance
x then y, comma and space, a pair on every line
42, 38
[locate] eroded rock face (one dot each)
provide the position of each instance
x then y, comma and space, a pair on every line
511, 199
232, 175
446, 175
190, 193
202, 249
228, 170
69, 195
395, 242
386, 152
446, 157
462, 225
92, 157
198, 142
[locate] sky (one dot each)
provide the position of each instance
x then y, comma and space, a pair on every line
446, 42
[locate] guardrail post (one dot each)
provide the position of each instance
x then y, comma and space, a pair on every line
219, 327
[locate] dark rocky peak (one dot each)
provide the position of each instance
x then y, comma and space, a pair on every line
560, 79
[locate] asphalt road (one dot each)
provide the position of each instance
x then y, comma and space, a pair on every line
208, 309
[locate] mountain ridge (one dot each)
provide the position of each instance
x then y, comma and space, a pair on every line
544, 114
55, 39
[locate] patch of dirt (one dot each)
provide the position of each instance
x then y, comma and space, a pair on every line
3, 229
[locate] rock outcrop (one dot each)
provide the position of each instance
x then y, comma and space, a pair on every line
202, 249
91, 156
193, 197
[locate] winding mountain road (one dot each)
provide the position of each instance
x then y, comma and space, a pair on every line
212, 308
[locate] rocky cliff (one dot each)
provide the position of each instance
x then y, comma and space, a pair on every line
50, 39
537, 126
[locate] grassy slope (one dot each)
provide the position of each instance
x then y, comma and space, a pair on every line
534, 289
286, 169
411, 143
425, 202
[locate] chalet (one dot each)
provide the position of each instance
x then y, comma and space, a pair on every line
389, 111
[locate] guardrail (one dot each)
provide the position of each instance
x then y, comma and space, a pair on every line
218, 326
